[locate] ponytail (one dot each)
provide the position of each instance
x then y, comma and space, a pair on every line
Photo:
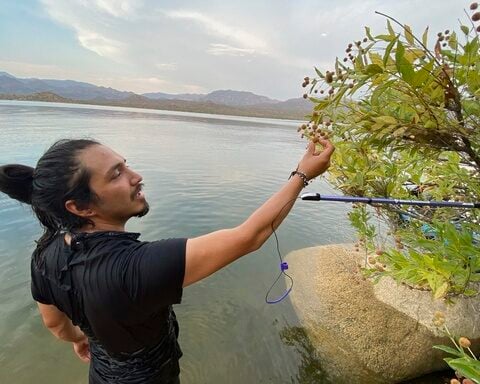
16, 181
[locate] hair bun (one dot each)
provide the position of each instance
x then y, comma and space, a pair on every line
16, 181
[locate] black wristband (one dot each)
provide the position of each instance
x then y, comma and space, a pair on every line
301, 175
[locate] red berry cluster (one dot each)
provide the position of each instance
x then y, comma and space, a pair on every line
476, 15
315, 131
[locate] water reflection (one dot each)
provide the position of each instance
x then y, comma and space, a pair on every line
310, 370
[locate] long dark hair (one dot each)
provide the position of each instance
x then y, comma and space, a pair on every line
58, 176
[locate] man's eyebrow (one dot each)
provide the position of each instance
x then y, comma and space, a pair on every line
115, 166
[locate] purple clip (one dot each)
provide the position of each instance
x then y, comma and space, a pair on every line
283, 266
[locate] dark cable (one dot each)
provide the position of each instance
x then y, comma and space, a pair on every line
283, 265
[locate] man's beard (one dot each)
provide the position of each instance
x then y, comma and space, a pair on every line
144, 211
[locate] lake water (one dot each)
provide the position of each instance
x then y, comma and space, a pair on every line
202, 173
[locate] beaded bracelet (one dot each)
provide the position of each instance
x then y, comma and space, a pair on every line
301, 175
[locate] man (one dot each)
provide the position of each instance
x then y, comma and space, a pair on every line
102, 289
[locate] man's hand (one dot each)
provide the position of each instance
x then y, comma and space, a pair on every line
82, 350
313, 163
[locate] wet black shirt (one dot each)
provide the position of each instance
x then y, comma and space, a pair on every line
120, 292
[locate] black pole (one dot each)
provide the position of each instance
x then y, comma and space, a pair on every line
312, 196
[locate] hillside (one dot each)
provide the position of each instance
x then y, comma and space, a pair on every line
226, 102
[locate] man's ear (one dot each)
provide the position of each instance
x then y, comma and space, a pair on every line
72, 207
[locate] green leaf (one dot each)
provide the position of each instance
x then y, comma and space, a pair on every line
373, 69
465, 29
385, 37
471, 107
386, 120
425, 37
470, 292
422, 74
466, 367
452, 41
441, 291
375, 58
408, 34
367, 32
320, 74
390, 29
403, 66
388, 49
450, 350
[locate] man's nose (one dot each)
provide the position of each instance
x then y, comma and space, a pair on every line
136, 178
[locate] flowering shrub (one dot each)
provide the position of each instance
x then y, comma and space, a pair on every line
405, 118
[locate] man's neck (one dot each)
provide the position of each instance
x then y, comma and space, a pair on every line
103, 226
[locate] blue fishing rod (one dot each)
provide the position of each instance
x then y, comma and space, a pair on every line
313, 196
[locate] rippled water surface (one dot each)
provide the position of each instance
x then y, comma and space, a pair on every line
202, 173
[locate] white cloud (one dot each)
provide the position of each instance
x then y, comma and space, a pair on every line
118, 8
224, 49
99, 44
166, 66
220, 29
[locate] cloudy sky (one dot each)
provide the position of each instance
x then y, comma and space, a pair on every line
263, 46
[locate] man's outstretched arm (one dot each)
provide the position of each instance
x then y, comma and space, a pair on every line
208, 253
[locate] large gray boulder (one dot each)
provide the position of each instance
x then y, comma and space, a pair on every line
366, 333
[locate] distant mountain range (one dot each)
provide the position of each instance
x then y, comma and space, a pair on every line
221, 101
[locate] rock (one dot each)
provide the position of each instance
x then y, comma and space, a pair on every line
363, 333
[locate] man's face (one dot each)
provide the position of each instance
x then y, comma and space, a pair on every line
118, 188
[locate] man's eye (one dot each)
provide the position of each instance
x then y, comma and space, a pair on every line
116, 173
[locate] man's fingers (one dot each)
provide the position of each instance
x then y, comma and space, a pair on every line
328, 147
311, 147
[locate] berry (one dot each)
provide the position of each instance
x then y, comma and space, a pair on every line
345, 59
305, 96
478, 28
306, 78
473, 6
316, 91
328, 77
365, 40
476, 16
464, 342
447, 32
